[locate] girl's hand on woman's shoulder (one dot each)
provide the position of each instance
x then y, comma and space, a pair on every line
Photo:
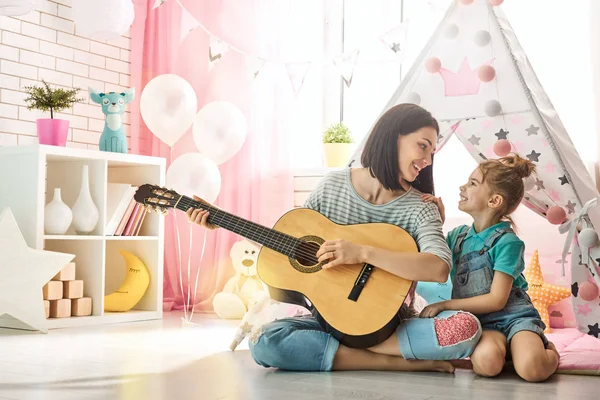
428, 198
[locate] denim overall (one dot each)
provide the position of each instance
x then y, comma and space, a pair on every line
474, 275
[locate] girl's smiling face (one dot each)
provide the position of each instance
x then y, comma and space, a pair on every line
475, 194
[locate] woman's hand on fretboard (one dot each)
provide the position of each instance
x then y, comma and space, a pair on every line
199, 216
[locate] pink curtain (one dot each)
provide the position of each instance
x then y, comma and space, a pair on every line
257, 182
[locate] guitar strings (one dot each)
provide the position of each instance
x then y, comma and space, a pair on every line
216, 213
295, 247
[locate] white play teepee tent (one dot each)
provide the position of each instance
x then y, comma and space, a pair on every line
474, 77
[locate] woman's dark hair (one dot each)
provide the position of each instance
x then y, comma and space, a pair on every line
380, 154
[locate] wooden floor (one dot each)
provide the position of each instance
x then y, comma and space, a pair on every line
163, 360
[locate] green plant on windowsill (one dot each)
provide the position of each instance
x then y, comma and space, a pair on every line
337, 143
337, 133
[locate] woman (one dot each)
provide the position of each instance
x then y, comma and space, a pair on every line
397, 159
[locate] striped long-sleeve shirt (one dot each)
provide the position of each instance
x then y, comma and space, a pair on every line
336, 199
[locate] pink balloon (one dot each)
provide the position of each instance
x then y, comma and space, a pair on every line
556, 215
588, 291
466, 2
496, 2
433, 65
502, 147
486, 73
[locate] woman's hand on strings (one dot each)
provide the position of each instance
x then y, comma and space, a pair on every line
199, 216
339, 252
428, 198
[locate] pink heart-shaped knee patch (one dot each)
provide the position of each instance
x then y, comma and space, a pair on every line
455, 329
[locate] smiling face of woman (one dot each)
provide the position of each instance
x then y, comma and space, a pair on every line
400, 148
415, 152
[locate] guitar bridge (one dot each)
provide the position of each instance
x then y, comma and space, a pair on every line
360, 282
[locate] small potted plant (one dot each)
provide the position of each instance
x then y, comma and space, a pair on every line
337, 143
52, 131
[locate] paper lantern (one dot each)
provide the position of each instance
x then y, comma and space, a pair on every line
102, 20
17, 7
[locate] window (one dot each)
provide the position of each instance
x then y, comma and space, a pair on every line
350, 25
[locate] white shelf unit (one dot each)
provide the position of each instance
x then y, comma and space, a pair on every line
28, 176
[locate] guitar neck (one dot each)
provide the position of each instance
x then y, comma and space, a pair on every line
267, 237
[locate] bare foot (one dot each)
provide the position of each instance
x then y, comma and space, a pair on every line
462, 364
400, 364
444, 366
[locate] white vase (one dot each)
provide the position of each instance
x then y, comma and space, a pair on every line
85, 212
57, 215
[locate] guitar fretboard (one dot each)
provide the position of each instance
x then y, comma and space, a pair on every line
268, 237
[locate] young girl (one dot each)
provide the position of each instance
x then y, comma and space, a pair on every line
397, 160
486, 273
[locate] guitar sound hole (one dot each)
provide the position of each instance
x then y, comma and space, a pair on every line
306, 253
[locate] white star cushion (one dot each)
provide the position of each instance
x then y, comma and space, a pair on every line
23, 273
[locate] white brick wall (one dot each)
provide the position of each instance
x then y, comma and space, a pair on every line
45, 44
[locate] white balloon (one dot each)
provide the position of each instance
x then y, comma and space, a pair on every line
168, 105
219, 130
194, 174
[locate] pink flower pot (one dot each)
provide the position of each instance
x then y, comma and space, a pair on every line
52, 131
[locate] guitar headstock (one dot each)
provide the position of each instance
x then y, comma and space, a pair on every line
157, 198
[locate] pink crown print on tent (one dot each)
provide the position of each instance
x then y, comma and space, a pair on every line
464, 82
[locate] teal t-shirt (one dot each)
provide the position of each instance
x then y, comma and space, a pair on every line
506, 254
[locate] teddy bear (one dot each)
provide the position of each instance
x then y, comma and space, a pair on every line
245, 288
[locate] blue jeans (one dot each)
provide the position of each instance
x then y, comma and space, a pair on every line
301, 344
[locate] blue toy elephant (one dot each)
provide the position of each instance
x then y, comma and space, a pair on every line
113, 137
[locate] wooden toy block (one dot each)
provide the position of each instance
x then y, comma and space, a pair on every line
47, 307
66, 274
60, 308
53, 290
81, 307
72, 289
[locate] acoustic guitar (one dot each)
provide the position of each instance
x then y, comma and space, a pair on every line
360, 305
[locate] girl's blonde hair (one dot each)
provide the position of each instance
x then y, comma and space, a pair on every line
504, 176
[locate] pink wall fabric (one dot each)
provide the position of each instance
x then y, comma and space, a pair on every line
257, 183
